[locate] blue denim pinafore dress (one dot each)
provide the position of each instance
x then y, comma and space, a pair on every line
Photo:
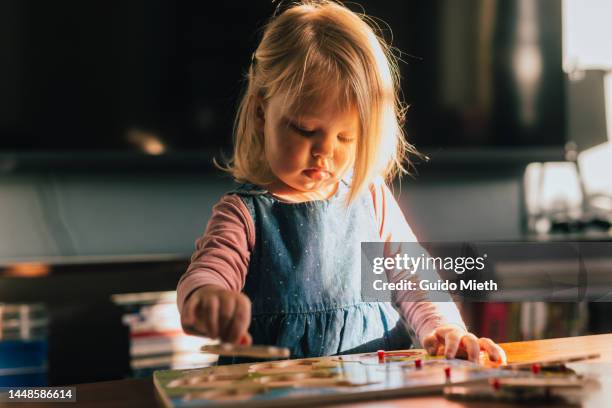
304, 276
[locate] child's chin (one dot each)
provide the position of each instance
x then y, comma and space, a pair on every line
310, 185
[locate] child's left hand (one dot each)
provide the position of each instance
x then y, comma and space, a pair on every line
452, 341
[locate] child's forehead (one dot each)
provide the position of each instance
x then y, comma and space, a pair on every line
325, 113
314, 90
316, 106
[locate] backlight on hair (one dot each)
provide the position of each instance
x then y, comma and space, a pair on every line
321, 50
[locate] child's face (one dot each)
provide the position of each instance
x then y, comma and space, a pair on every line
308, 150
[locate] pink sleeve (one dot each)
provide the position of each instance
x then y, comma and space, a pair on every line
419, 313
222, 254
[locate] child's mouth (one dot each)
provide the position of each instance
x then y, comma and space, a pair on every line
317, 174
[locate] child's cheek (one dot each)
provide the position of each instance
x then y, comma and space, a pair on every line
345, 157
292, 151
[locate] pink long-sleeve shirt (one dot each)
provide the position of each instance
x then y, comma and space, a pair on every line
222, 256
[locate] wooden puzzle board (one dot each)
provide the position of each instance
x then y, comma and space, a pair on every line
317, 380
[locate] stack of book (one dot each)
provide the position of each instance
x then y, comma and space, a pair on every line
157, 341
23, 345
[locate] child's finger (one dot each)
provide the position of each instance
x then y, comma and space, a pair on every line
210, 309
187, 323
451, 344
240, 320
495, 352
186, 316
472, 346
431, 344
225, 315
442, 331
246, 340
487, 345
191, 320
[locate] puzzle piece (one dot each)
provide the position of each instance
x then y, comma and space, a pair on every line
559, 389
234, 350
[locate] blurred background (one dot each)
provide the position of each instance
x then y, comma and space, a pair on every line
111, 113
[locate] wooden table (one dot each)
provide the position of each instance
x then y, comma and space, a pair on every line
140, 392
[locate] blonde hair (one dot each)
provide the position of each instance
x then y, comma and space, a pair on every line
310, 48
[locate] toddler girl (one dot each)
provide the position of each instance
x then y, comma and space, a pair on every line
317, 133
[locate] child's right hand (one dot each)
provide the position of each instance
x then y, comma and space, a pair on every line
215, 312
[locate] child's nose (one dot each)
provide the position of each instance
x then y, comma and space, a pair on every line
323, 147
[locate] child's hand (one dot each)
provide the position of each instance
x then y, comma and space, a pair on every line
215, 312
453, 341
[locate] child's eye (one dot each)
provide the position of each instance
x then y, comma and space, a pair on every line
344, 139
304, 132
